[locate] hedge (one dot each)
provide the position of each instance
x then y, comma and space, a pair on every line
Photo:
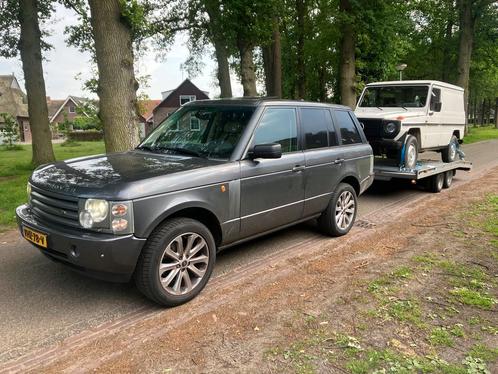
85, 135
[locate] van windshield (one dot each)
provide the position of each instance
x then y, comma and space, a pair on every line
209, 132
395, 97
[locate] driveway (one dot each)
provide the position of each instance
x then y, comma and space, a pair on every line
44, 303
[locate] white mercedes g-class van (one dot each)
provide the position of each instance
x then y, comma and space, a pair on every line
403, 118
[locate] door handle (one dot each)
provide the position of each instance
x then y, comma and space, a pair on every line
298, 168
339, 161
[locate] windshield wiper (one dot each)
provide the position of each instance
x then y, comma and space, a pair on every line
380, 108
180, 150
147, 148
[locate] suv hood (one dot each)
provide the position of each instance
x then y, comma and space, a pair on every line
119, 176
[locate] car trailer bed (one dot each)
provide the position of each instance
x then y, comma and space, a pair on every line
436, 175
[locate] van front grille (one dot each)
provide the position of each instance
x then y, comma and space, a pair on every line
372, 127
52, 207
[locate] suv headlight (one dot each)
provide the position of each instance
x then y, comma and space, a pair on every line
116, 217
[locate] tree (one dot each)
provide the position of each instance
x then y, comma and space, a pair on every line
10, 130
272, 60
117, 85
20, 33
347, 79
301, 8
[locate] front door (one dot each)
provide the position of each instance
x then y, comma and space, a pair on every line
272, 190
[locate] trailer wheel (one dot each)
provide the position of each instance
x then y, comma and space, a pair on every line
449, 153
448, 178
436, 182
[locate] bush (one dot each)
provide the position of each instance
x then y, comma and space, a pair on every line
9, 131
84, 136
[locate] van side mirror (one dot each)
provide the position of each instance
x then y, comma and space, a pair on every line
436, 107
272, 150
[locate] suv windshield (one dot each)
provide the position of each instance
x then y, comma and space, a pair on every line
395, 97
210, 132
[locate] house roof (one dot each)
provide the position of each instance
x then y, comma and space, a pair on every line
12, 99
146, 108
56, 106
167, 94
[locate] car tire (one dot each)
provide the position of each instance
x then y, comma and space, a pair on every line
449, 153
340, 215
436, 182
168, 271
448, 178
410, 156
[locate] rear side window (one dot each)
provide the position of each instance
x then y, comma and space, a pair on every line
316, 124
348, 130
278, 125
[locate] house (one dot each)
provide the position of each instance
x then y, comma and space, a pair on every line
67, 109
13, 101
145, 110
173, 99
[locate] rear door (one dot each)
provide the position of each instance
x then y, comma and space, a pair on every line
272, 190
322, 158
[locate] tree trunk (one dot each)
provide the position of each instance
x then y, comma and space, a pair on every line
247, 70
223, 72
347, 75
220, 49
496, 112
301, 71
31, 57
466, 22
117, 85
447, 51
272, 63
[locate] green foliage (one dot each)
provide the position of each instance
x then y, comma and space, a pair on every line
471, 297
441, 336
9, 130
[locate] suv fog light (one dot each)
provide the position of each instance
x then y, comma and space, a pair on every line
86, 219
119, 224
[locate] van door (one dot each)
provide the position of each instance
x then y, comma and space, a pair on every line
272, 190
435, 129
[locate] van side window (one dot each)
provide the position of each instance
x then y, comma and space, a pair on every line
435, 99
278, 125
315, 125
349, 131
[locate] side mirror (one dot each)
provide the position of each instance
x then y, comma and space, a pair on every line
272, 150
436, 107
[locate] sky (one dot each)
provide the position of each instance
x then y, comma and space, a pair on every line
65, 68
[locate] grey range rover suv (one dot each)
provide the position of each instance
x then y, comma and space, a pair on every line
215, 173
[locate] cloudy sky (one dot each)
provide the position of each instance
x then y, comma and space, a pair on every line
66, 68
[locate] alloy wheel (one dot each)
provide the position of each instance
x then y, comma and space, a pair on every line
344, 210
184, 263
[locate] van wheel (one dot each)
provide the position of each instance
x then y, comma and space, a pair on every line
411, 152
448, 178
436, 182
340, 214
176, 262
449, 153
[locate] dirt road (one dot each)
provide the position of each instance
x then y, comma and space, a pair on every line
48, 312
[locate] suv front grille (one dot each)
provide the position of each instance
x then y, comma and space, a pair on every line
52, 207
372, 128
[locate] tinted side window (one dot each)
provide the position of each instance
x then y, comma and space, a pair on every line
278, 125
349, 132
316, 123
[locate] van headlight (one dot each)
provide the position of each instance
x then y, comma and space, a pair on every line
391, 128
107, 215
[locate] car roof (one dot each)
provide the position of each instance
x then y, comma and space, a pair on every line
265, 101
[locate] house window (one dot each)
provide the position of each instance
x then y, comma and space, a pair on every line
72, 109
184, 99
195, 124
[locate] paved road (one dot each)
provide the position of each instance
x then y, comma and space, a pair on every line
42, 302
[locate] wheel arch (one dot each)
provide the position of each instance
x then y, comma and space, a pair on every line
197, 211
416, 133
353, 182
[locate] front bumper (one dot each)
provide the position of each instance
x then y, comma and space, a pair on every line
383, 146
104, 256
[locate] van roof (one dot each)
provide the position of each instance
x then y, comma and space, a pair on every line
407, 83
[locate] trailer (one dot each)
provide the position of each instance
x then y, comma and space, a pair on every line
434, 175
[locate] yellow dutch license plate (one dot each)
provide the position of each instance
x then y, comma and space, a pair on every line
35, 237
